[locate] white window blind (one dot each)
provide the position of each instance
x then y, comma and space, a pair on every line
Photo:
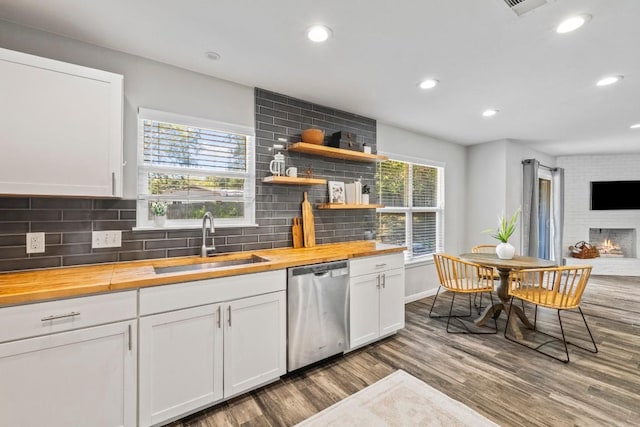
194, 165
414, 206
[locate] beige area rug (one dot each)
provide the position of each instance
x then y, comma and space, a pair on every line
399, 399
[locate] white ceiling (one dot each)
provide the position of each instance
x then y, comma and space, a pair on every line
483, 54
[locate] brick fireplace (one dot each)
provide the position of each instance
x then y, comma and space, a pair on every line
583, 223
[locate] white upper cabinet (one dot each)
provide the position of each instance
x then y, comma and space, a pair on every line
61, 128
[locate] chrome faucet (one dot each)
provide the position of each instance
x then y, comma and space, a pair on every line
204, 251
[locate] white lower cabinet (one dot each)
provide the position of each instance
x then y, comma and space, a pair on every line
81, 377
254, 342
180, 362
191, 358
376, 298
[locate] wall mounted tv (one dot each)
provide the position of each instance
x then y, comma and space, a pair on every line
612, 195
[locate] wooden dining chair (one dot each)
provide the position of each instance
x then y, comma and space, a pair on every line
462, 277
484, 249
557, 288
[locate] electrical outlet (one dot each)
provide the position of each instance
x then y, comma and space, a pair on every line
106, 239
35, 243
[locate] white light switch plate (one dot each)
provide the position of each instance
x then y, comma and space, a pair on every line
106, 239
35, 243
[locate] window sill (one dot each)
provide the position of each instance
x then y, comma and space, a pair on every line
189, 227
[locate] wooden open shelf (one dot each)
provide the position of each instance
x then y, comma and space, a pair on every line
293, 181
345, 206
336, 153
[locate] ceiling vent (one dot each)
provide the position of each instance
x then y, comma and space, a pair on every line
520, 7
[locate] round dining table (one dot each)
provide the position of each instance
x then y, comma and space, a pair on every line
504, 267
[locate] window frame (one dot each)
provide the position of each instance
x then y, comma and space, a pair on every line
249, 175
439, 210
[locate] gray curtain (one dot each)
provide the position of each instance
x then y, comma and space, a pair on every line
557, 216
530, 198
531, 210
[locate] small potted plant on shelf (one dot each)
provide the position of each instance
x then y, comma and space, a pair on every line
504, 250
159, 210
365, 194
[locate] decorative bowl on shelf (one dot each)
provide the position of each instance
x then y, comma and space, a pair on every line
313, 136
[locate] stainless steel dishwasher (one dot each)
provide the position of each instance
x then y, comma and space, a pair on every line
317, 307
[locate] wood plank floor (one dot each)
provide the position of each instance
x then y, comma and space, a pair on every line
507, 383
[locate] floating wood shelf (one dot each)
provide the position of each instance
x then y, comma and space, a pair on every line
293, 181
345, 206
336, 153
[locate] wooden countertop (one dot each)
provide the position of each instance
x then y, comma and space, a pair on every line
39, 285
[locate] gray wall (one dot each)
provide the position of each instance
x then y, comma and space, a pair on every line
494, 183
421, 278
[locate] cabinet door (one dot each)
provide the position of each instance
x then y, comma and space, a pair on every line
62, 128
363, 309
254, 342
180, 362
84, 377
391, 301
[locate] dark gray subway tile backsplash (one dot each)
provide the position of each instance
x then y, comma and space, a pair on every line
68, 222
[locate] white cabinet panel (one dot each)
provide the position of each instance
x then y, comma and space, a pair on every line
62, 128
63, 315
363, 309
376, 298
157, 299
254, 342
180, 362
84, 377
391, 301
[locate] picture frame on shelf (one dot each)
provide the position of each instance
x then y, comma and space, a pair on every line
336, 192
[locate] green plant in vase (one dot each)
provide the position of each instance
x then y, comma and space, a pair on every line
159, 210
503, 232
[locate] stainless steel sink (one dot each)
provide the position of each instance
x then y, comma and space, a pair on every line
210, 265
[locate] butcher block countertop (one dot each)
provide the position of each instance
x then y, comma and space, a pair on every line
39, 285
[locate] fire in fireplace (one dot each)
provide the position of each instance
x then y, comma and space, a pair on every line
614, 242
607, 248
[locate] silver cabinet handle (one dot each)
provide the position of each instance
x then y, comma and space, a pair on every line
378, 282
384, 280
130, 337
60, 316
219, 316
229, 315
113, 183
381, 265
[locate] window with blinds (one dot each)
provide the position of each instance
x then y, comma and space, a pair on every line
192, 166
414, 206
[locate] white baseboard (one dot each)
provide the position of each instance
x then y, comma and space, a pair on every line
420, 295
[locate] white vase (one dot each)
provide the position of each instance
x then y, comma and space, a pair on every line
505, 250
159, 220
365, 199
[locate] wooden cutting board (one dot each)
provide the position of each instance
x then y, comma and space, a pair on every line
308, 224
296, 230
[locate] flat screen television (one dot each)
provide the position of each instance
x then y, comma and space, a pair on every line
612, 195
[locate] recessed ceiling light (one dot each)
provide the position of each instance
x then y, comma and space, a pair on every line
636, 126
428, 84
572, 23
214, 56
319, 33
490, 112
606, 81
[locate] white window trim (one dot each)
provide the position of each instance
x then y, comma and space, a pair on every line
439, 210
250, 199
